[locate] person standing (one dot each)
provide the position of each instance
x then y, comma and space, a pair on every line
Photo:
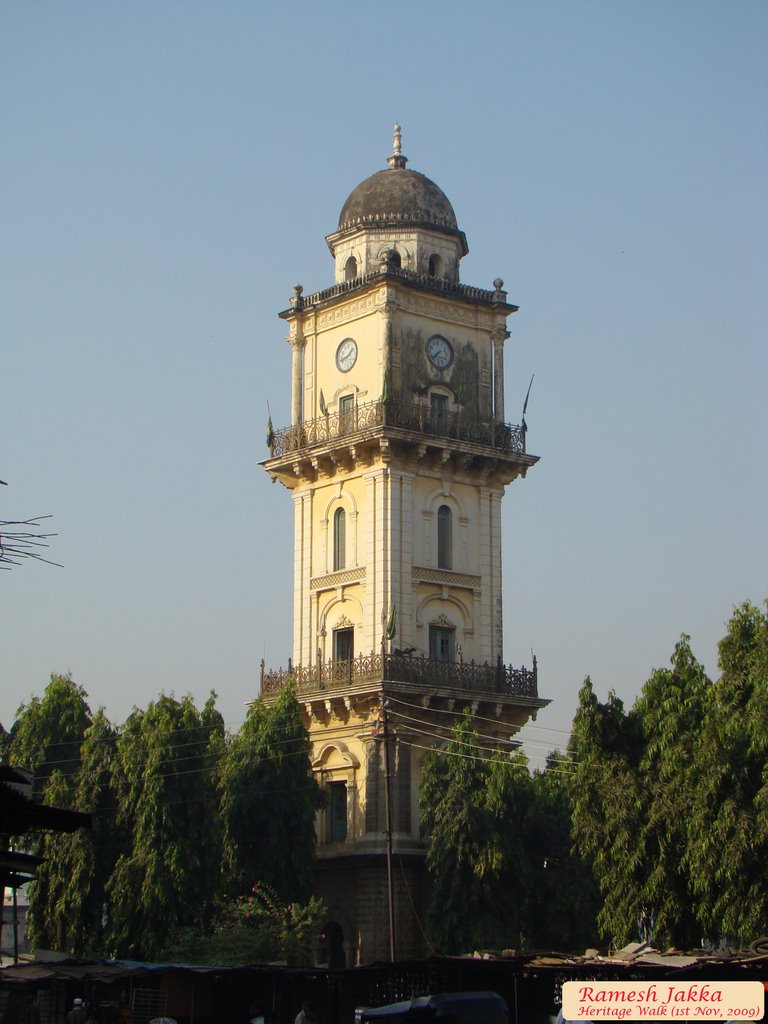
306, 1014
77, 1014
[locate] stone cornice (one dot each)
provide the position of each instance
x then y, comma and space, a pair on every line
445, 577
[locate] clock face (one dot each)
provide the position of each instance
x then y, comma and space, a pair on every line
439, 351
346, 354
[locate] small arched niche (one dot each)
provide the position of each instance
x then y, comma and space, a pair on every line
350, 269
436, 265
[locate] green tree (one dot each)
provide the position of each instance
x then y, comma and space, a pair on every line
670, 800
47, 736
47, 733
164, 782
608, 807
671, 711
269, 797
728, 848
471, 804
562, 899
68, 906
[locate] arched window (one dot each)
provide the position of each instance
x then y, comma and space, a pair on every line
337, 812
394, 258
339, 539
435, 265
350, 269
444, 538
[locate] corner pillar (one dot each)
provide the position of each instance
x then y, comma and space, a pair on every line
499, 336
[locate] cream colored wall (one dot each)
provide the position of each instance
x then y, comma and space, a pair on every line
391, 526
348, 493
469, 377
416, 317
339, 755
429, 493
391, 512
365, 380
415, 246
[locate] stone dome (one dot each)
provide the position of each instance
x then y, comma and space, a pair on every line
399, 196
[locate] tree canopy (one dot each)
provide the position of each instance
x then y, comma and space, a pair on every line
269, 797
498, 850
653, 822
728, 846
164, 784
186, 821
671, 799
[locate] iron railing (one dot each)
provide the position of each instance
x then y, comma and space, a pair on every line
456, 289
485, 679
418, 418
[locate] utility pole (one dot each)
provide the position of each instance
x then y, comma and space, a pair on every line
383, 734
15, 926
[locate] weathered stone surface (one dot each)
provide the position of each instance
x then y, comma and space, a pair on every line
400, 196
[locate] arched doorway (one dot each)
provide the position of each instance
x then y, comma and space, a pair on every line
332, 950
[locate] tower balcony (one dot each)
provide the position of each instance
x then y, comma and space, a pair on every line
419, 419
391, 273
467, 680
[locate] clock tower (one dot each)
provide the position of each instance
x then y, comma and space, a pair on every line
397, 457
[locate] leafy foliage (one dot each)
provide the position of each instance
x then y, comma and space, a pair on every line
67, 905
728, 843
164, 783
672, 710
52, 735
606, 796
269, 797
258, 928
152, 861
562, 899
671, 799
498, 852
47, 732
464, 847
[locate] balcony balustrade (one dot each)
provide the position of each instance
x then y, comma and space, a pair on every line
465, 292
416, 418
375, 669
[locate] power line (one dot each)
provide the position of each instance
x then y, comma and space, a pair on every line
563, 758
462, 714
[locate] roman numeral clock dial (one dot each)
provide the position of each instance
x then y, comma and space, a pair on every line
439, 352
346, 355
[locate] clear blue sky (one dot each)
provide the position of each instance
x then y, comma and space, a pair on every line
170, 170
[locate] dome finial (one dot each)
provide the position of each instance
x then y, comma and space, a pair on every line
397, 160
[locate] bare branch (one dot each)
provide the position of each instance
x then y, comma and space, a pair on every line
16, 545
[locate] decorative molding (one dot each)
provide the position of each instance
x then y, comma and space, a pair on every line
445, 577
442, 620
349, 311
337, 579
343, 623
351, 761
448, 312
